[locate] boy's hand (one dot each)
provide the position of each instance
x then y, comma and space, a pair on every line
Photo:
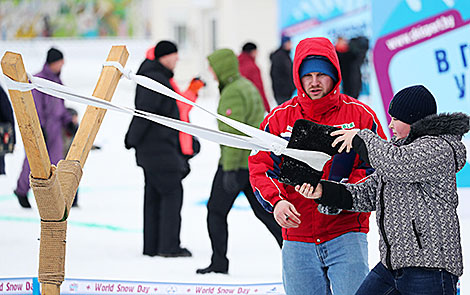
345, 136
307, 191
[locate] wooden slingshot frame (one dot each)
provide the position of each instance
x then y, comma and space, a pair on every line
55, 188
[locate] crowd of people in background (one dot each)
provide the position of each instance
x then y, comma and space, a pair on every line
321, 230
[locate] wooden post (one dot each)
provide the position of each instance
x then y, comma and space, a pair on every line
27, 118
93, 117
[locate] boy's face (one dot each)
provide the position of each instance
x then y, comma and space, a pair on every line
399, 128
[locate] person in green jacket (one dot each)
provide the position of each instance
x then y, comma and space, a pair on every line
241, 101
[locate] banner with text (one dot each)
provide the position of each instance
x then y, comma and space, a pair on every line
30, 286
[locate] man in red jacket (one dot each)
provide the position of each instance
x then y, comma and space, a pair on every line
321, 253
249, 70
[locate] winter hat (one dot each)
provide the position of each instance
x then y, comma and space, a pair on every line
317, 63
412, 104
164, 48
53, 55
248, 47
284, 39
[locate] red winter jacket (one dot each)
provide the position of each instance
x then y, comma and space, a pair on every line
250, 70
334, 109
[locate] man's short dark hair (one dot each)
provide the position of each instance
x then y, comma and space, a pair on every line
249, 47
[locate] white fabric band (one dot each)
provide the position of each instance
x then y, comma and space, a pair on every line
256, 139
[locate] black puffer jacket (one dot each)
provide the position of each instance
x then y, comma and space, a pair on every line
157, 146
281, 75
413, 191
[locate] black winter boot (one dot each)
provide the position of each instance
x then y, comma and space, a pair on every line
210, 269
23, 199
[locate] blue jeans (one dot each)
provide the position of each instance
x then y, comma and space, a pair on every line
339, 265
408, 281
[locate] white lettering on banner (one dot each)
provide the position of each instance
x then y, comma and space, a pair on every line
420, 32
324, 8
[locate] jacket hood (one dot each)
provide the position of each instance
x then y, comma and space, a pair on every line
316, 46
225, 65
450, 126
440, 124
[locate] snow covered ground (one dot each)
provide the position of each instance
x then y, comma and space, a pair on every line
104, 238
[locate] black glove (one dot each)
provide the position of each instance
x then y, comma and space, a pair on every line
230, 181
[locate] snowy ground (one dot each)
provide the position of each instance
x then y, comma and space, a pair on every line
104, 238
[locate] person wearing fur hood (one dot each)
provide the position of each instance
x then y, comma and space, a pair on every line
414, 192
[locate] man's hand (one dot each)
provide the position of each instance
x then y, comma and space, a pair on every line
345, 136
286, 215
307, 191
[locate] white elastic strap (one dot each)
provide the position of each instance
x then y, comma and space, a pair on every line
257, 134
313, 158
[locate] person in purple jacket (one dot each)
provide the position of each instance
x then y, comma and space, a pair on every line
53, 117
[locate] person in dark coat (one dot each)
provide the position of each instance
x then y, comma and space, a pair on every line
250, 70
158, 152
351, 56
53, 117
281, 71
6, 118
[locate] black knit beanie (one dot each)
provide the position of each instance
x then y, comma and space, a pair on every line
164, 47
53, 55
412, 104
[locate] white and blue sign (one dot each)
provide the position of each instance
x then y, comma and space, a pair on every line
425, 42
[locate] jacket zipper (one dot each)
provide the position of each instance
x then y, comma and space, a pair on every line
388, 260
417, 234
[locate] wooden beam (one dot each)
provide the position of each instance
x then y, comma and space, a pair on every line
50, 289
93, 117
27, 118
